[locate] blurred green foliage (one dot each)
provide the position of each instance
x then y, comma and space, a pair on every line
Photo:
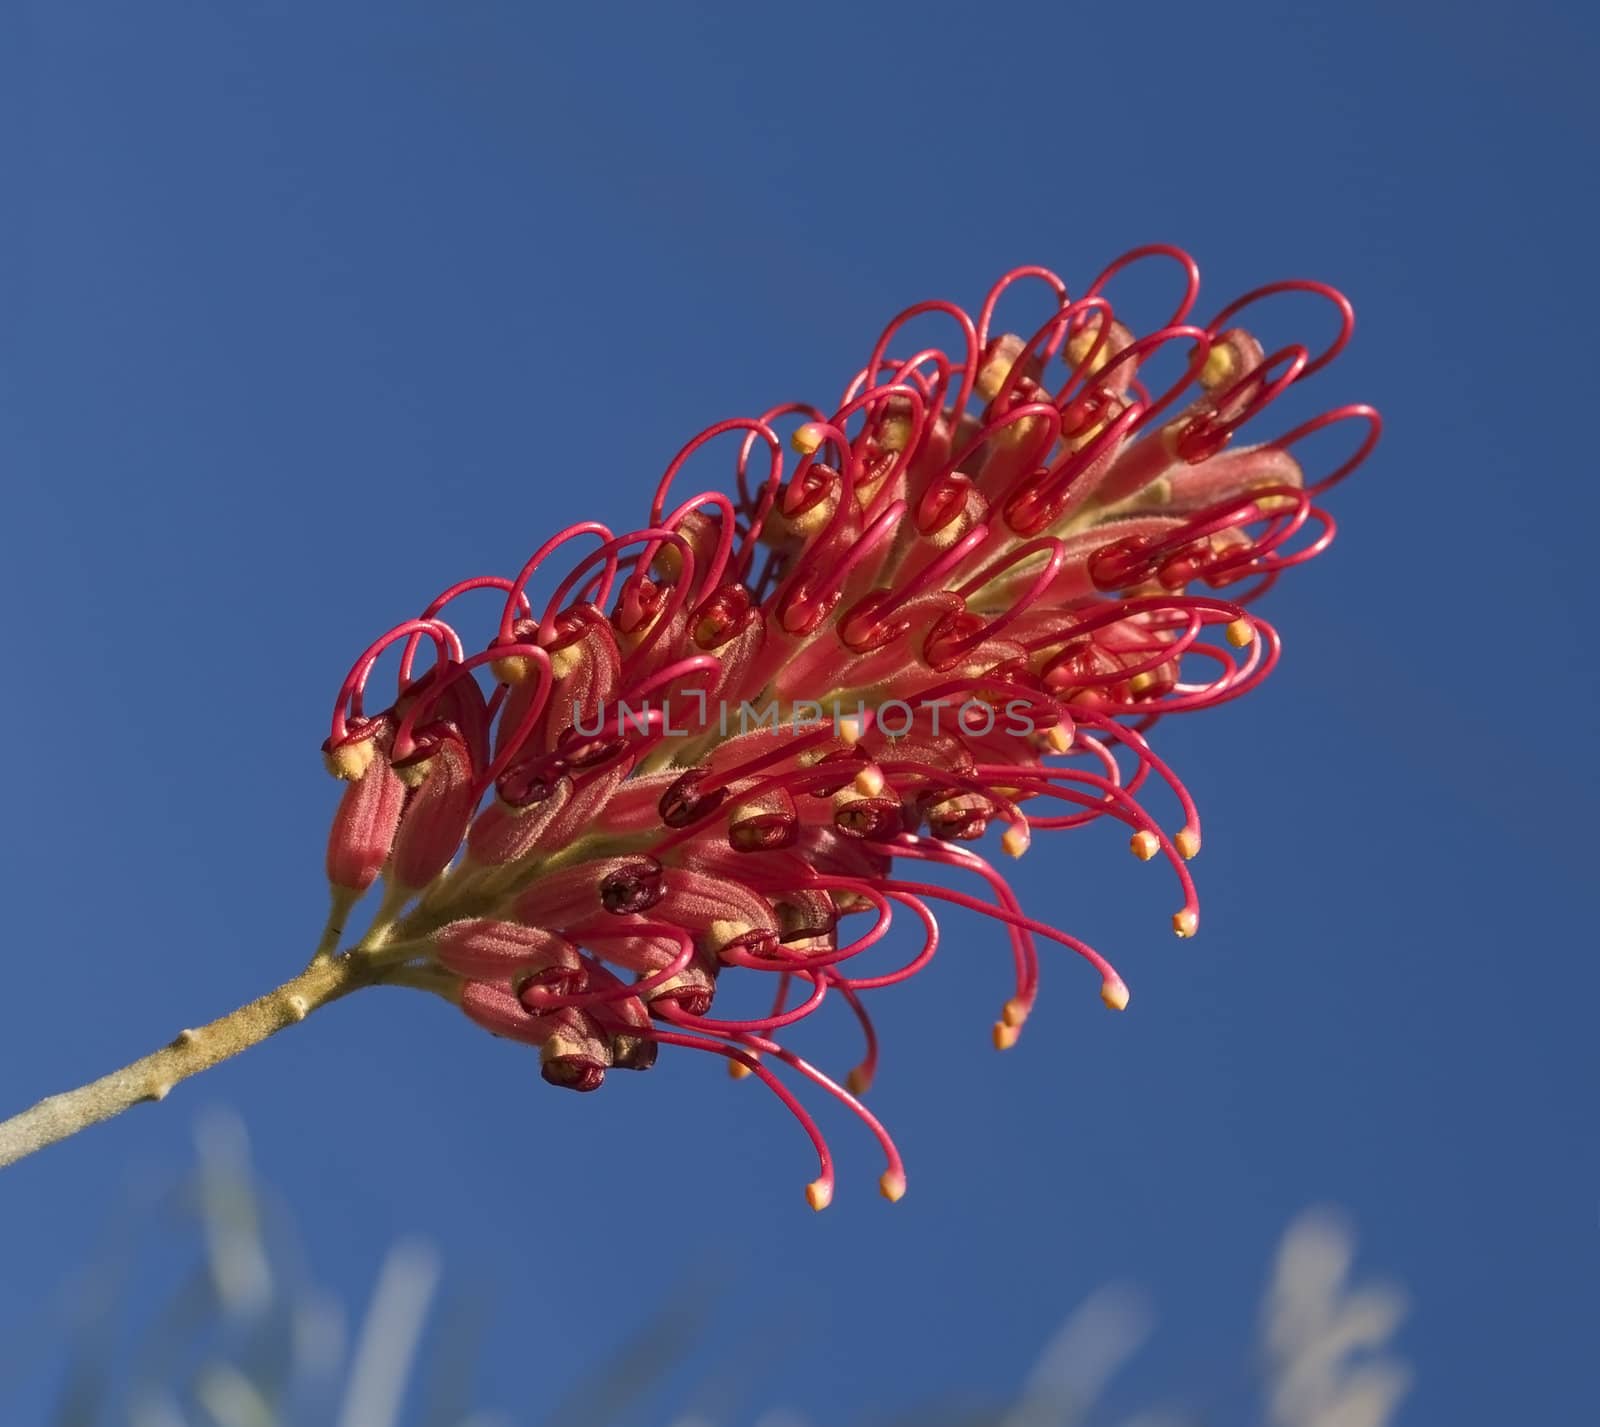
202, 1311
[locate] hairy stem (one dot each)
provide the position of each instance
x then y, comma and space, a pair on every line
150, 1078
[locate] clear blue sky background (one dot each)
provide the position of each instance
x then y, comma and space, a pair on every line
309, 309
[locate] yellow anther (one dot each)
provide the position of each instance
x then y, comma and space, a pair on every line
858, 1081
1014, 433
1219, 366
1114, 992
1185, 923
869, 782
1081, 344
1016, 840
807, 439
350, 760
993, 373
1239, 633
811, 521
894, 434
1015, 1011
1157, 493
668, 562
848, 902
1059, 737
1005, 1036
724, 932
414, 774
566, 659
513, 669
1187, 842
1145, 844
710, 632
1143, 683
1276, 504
849, 730
950, 532
892, 1185
738, 1070
819, 1194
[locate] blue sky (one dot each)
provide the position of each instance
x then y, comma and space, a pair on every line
309, 310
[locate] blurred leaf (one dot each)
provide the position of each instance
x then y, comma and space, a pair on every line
224, 1326
231, 1216
666, 1337
452, 1364
231, 1398
388, 1343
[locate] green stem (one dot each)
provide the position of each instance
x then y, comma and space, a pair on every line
59, 1116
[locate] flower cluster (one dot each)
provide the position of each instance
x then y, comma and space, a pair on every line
1059, 525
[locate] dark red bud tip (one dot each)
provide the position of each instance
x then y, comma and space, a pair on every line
573, 1072
1201, 439
958, 817
874, 819
804, 915
633, 1052
723, 616
690, 1001
636, 887
576, 752
691, 993
807, 491
682, 803
752, 944
763, 832
531, 783
1121, 563
535, 988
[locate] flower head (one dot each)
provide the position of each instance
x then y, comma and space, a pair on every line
942, 621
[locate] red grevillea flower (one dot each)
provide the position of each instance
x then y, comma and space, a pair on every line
727, 745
